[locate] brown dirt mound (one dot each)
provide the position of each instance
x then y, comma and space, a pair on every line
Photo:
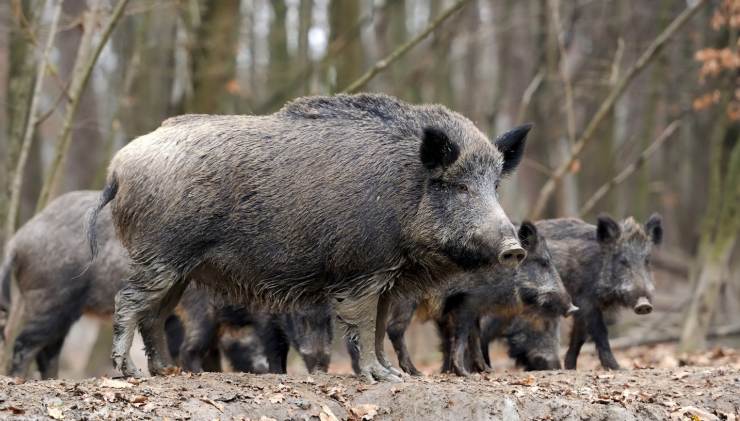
698, 393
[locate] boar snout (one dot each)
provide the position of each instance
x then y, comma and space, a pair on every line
643, 306
511, 254
571, 310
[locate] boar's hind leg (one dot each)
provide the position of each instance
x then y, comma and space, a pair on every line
359, 315
149, 294
578, 336
48, 360
381, 321
153, 331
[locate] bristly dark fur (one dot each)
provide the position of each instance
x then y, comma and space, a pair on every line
108, 194
331, 199
535, 288
368, 170
603, 267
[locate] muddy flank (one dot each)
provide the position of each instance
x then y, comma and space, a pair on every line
704, 393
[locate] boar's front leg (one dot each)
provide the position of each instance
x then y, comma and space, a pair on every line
359, 315
478, 361
578, 336
598, 331
397, 326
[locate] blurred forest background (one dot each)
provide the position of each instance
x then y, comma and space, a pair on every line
635, 104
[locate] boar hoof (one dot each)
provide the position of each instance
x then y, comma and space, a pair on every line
376, 372
126, 367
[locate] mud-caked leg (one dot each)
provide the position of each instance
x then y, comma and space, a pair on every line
153, 330
148, 294
381, 323
359, 315
578, 336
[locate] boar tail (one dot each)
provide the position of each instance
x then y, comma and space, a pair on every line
108, 193
6, 270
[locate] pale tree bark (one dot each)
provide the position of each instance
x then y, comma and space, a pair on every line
85, 151
606, 106
33, 115
305, 8
401, 50
5, 163
81, 77
720, 229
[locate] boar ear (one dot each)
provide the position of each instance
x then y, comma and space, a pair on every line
607, 229
654, 228
437, 150
528, 236
511, 144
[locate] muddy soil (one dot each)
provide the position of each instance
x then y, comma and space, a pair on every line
698, 393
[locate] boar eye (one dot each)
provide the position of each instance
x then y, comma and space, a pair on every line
462, 188
623, 261
647, 261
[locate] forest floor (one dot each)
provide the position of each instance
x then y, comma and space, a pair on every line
698, 387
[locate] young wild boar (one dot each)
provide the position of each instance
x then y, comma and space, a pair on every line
504, 293
604, 267
533, 339
309, 331
48, 258
51, 264
347, 199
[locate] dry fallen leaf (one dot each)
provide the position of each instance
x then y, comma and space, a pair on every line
212, 402
326, 414
277, 398
115, 383
138, 399
55, 412
693, 413
264, 418
365, 412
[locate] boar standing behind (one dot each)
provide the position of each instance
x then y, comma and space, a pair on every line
604, 267
343, 199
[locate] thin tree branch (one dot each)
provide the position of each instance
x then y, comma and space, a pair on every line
619, 88
403, 49
50, 67
632, 167
17, 182
529, 92
77, 90
567, 86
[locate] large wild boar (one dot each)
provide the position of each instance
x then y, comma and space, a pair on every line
346, 199
604, 267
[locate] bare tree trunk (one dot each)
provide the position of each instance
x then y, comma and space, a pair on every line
719, 232
81, 77
305, 8
28, 135
214, 63
5, 25
343, 17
